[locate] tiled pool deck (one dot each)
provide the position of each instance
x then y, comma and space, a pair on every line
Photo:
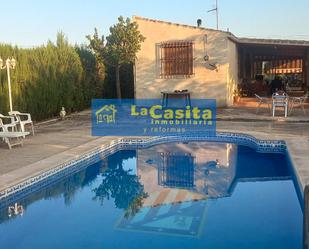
61, 141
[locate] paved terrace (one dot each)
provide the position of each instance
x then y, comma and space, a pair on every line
57, 141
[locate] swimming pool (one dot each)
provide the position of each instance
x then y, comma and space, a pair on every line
172, 195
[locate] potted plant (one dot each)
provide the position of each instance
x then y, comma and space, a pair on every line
236, 95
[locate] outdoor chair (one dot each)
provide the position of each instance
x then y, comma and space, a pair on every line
11, 125
6, 126
8, 132
260, 101
7, 136
23, 119
300, 101
280, 100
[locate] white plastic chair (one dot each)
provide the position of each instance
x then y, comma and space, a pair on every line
260, 101
22, 121
7, 127
280, 100
8, 132
7, 136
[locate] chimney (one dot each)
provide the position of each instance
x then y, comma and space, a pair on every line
199, 22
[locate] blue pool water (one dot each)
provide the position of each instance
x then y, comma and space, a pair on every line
179, 195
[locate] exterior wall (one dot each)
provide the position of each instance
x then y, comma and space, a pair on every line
205, 83
232, 74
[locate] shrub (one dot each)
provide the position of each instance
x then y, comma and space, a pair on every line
49, 77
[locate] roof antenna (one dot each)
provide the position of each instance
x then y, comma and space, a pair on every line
217, 14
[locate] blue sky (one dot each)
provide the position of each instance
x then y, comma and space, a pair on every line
33, 22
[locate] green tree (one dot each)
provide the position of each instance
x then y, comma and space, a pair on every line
120, 48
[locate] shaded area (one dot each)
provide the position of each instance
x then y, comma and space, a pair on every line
126, 75
65, 188
253, 165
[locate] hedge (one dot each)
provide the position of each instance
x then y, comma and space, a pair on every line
49, 77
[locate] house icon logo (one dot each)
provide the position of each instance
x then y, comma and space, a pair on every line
107, 114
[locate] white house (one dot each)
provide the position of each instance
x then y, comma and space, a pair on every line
211, 63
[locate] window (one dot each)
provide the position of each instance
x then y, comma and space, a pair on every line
176, 59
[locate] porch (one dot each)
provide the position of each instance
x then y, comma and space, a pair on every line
246, 109
262, 63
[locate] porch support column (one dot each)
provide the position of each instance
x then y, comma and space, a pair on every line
306, 67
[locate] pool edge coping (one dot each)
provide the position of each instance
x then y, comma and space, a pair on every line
115, 144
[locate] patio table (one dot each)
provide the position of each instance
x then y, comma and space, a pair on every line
182, 94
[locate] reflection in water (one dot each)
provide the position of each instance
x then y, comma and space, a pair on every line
64, 188
189, 174
176, 170
179, 178
169, 189
15, 210
121, 185
205, 170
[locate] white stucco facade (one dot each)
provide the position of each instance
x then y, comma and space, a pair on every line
206, 82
